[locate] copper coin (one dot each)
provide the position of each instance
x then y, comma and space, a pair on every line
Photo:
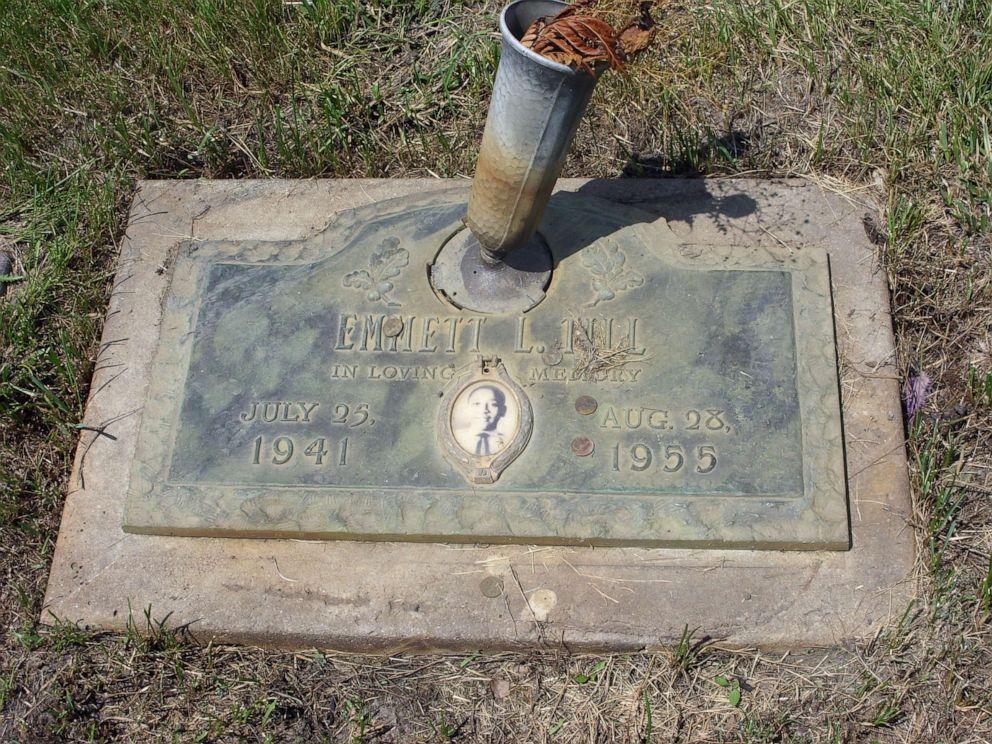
491, 586
392, 327
583, 446
586, 404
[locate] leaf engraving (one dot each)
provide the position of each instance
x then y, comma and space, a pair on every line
607, 263
385, 263
358, 280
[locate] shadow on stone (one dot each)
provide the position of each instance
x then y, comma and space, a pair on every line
692, 199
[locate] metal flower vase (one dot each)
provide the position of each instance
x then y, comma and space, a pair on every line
533, 115
501, 266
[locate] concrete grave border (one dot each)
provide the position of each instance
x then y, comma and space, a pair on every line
386, 597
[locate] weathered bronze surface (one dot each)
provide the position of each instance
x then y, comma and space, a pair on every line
321, 389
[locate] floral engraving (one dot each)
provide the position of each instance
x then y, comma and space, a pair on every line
606, 262
385, 263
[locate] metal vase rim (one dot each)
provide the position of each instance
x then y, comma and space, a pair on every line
540, 59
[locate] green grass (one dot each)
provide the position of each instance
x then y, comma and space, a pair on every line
889, 98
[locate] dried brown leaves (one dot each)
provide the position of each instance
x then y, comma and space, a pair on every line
638, 34
583, 41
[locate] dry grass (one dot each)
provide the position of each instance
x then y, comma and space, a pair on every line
892, 98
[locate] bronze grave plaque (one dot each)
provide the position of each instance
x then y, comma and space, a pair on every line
661, 394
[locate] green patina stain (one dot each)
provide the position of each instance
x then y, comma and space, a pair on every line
293, 408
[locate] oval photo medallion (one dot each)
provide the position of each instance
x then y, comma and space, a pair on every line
484, 418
